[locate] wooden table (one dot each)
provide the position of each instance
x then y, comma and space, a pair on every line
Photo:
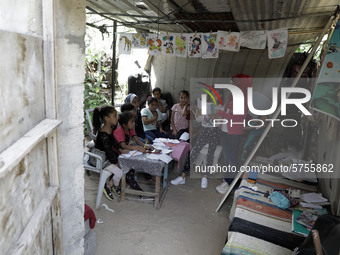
145, 165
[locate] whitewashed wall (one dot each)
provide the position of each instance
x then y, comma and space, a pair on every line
23, 106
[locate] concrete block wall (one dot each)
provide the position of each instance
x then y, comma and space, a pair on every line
70, 59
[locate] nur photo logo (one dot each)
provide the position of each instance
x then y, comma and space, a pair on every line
239, 100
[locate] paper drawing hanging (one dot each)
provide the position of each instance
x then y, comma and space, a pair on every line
253, 39
228, 40
168, 44
181, 45
209, 49
154, 44
125, 43
194, 45
277, 42
139, 40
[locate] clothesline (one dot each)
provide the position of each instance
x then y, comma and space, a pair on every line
205, 45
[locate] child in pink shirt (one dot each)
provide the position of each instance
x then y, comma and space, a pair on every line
179, 121
126, 131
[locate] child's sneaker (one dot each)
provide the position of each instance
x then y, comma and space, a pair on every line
222, 188
116, 191
204, 183
178, 180
108, 193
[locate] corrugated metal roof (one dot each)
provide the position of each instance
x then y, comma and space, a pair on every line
214, 21
216, 6
304, 18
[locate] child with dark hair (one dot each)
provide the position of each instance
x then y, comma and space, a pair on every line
123, 135
152, 118
126, 131
179, 121
162, 105
127, 107
104, 118
138, 122
133, 99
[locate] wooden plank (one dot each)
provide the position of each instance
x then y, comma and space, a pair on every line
49, 58
32, 229
16, 152
139, 193
123, 183
157, 189
162, 197
53, 170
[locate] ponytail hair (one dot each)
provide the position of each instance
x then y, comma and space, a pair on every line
98, 116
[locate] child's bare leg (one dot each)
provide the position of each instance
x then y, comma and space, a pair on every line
109, 184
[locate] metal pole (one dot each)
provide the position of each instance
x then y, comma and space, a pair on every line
114, 41
277, 112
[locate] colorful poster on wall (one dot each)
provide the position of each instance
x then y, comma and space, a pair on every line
253, 39
125, 43
168, 44
209, 49
139, 40
194, 45
228, 41
326, 95
155, 44
181, 45
277, 42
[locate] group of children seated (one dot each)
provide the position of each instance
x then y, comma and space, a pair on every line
137, 130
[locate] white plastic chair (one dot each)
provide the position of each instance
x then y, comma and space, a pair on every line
98, 169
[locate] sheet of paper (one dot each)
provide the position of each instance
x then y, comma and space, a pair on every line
158, 145
165, 158
131, 154
185, 136
165, 150
153, 156
308, 205
313, 198
174, 141
160, 140
165, 140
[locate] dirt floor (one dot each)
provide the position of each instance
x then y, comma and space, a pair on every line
186, 224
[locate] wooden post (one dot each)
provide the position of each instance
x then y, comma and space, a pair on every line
157, 189
123, 187
53, 171
51, 113
114, 41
